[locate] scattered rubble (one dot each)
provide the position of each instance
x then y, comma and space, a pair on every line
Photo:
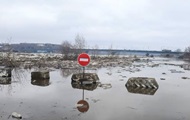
152, 65
185, 77
105, 85
30, 60
176, 71
16, 115
186, 66
162, 79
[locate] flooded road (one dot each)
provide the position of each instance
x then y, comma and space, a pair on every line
57, 98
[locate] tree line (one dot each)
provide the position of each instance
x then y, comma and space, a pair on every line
71, 51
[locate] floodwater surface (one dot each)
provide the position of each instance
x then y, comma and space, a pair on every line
57, 98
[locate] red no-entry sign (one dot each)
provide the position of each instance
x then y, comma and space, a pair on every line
83, 106
83, 59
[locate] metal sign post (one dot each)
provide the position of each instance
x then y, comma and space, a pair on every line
83, 72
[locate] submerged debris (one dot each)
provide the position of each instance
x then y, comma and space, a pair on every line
186, 66
185, 77
153, 65
105, 85
16, 115
176, 71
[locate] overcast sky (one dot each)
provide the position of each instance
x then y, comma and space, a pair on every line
124, 24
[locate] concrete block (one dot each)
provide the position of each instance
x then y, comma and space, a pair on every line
142, 85
87, 78
5, 72
40, 75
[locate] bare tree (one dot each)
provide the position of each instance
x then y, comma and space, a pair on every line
178, 50
187, 50
111, 52
187, 53
7, 57
66, 49
80, 44
95, 51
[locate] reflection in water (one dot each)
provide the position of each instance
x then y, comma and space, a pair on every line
5, 80
84, 81
17, 79
82, 106
5, 72
67, 72
140, 90
5, 75
40, 82
90, 87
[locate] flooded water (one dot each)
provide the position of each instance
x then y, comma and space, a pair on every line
57, 98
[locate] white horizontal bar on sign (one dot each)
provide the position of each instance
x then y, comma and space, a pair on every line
83, 59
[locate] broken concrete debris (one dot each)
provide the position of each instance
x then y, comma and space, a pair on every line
185, 77
85, 78
105, 85
186, 66
16, 115
176, 71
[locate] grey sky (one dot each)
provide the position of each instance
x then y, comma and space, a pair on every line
124, 24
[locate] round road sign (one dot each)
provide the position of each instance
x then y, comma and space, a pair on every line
83, 59
82, 106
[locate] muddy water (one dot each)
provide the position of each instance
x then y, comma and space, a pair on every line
57, 100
